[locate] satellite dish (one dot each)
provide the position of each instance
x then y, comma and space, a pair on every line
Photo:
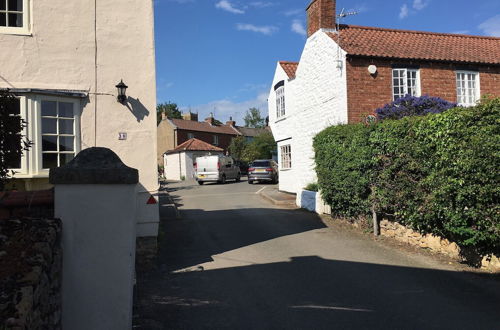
372, 69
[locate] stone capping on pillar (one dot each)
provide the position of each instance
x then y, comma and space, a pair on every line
94, 166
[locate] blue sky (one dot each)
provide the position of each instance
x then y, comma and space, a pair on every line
220, 55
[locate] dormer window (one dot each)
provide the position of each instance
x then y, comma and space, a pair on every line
14, 16
279, 89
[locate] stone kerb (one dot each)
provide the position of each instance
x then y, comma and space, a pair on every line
95, 198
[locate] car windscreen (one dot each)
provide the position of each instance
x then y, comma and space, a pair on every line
261, 164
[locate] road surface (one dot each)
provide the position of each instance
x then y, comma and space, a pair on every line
231, 260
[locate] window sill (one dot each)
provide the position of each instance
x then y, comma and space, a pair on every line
31, 176
16, 32
280, 119
285, 169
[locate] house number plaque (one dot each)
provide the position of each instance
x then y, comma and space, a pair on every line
122, 136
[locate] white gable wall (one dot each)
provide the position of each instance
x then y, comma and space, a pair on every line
319, 100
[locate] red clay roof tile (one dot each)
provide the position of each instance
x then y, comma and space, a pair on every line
190, 125
290, 68
195, 145
402, 44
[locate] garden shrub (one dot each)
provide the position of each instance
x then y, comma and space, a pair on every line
344, 164
438, 174
413, 106
313, 186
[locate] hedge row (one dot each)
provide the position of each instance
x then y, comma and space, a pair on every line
438, 173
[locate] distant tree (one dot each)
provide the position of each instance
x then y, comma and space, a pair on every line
12, 142
254, 119
171, 110
261, 147
237, 147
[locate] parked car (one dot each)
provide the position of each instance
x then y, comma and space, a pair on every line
243, 166
216, 169
263, 170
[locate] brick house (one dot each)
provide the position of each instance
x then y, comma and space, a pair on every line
174, 132
346, 72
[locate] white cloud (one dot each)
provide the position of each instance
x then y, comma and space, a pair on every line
420, 4
226, 108
228, 6
267, 30
261, 4
403, 13
461, 32
293, 12
491, 26
298, 27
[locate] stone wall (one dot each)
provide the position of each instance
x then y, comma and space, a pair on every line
30, 274
434, 243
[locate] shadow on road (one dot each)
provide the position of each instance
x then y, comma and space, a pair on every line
324, 294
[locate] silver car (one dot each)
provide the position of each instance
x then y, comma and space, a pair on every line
263, 170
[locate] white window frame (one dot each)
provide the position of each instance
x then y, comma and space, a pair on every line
24, 157
280, 102
216, 140
464, 96
286, 157
31, 160
26, 28
406, 89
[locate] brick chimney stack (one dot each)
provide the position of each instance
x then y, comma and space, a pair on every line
190, 116
320, 15
231, 122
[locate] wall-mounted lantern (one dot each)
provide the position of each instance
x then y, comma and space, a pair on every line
122, 92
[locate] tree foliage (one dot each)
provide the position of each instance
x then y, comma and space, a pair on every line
413, 106
237, 147
261, 147
437, 174
254, 119
171, 110
12, 143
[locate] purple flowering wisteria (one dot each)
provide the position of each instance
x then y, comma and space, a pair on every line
413, 106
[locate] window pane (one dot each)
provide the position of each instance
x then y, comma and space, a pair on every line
66, 143
65, 126
49, 160
49, 108
16, 20
15, 5
65, 158
11, 144
65, 109
49, 143
2, 5
49, 126
3, 19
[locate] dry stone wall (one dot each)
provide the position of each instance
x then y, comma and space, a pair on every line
435, 243
30, 274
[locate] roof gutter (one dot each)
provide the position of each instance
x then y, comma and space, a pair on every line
52, 92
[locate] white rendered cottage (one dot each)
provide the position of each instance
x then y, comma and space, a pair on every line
346, 72
63, 60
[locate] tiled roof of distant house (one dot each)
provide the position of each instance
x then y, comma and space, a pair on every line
248, 131
194, 145
290, 68
190, 125
402, 44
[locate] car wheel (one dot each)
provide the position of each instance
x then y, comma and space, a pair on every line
250, 182
223, 181
201, 183
238, 178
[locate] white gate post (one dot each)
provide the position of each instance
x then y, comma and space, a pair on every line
95, 197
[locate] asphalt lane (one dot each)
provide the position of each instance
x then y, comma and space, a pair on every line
231, 260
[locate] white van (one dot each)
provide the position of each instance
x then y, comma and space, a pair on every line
216, 169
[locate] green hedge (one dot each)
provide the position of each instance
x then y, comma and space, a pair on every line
437, 174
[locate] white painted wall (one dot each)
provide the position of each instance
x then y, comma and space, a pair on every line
172, 164
59, 53
318, 100
98, 240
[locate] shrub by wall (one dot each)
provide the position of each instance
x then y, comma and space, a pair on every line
438, 174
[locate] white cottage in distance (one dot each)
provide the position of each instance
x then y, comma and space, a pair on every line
63, 59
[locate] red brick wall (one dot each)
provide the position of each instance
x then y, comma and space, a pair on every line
320, 14
224, 139
365, 92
